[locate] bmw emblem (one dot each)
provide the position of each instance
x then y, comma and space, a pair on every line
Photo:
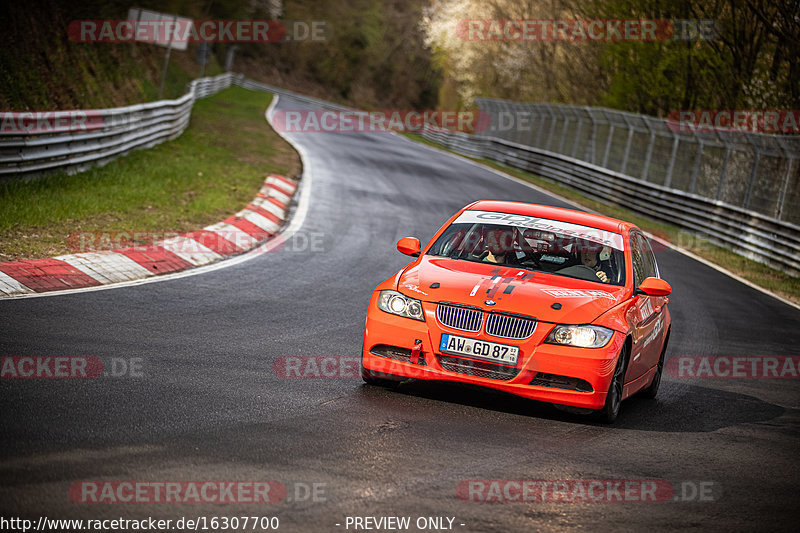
490, 302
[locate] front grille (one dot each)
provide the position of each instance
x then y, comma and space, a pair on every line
554, 381
456, 317
477, 368
509, 327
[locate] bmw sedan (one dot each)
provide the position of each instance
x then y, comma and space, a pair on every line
546, 303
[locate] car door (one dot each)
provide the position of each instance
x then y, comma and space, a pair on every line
646, 313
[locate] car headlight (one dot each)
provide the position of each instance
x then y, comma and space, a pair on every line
580, 336
399, 304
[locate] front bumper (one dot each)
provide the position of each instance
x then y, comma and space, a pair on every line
564, 375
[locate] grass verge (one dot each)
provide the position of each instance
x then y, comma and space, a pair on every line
210, 172
773, 280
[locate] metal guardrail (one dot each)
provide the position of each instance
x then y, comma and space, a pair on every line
113, 133
204, 87
754, 235
246, 83
755, 171
590, 159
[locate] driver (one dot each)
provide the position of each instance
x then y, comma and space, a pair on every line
591, 259
500, 246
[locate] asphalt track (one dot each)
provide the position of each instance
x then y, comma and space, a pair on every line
210, 407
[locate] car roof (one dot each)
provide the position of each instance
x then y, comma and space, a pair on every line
554, 213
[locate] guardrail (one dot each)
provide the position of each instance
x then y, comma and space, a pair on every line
753, 235
246, 83
755, 171
102, 135
756, 235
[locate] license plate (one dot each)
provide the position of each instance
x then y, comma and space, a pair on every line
489, 351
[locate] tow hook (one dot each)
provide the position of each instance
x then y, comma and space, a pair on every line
416, 351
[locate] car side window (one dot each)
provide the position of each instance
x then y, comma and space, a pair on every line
637, 259
650, 266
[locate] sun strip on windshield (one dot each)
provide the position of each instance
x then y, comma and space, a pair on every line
606, 238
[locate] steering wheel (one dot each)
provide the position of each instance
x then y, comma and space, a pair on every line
582, 271
531, 258
594, 272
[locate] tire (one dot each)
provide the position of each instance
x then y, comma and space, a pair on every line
652, 389
610, 410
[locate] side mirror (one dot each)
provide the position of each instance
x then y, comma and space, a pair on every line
409, 246
653, 287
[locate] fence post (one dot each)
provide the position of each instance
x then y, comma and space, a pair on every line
610, 138
552, 126
753, 172
563, 131
675, 141
505, 108
785, 186
649, 154
494, 112
166, 57
577, 134
723, 172
532, 112
593, 139
528, 110
541, 129
696, 166
627, 145
516, 131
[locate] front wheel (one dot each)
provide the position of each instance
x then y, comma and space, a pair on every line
611, 408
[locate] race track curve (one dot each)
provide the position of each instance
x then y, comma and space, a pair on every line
209, 405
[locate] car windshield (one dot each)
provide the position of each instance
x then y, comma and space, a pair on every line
532, 243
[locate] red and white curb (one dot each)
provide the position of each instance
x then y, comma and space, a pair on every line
249, 228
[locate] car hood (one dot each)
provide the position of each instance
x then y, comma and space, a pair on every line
513, 290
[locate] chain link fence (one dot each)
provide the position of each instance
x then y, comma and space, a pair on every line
739, 190
754, 171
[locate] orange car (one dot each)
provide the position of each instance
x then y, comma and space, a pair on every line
547, 303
